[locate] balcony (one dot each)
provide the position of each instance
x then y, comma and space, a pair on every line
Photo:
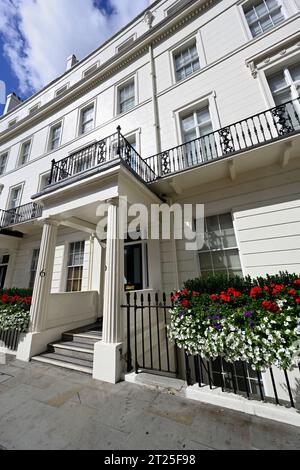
110, 151
21, 214
256, 131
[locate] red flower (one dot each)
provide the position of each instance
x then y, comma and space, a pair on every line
195, 294
213, 297
292, 292
236, 294
184, 292
266, 289
297, 281
224, 297
277, 288
230, 290
185, 303
297, 300
270, 306
255, 291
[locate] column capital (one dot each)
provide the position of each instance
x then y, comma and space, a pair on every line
113, 201
53, 222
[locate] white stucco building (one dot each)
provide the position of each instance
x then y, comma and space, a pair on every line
207, 79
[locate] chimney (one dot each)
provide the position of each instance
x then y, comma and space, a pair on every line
71, 61
12, 101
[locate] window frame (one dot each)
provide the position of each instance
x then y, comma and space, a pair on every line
12, 188
288, 11
119, 87
145, 263
32, 272
20, 156
123, 45
2, 154
60, 91
91, 69
187, 45
69, 266
236, 247
12, 123
41, 177
291, 85
91, 104
34, 109
50, 139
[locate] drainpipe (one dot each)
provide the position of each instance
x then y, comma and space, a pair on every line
154, 100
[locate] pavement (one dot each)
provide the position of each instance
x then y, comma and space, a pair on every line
45, 407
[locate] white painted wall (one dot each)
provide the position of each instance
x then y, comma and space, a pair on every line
266, 212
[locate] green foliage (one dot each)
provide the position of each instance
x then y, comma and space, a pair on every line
17, 291
221, 282
13, 317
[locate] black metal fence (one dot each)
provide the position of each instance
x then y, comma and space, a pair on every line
148, 345
97, 154
20, 214
9, 339
272, 385
276, 123
149, 349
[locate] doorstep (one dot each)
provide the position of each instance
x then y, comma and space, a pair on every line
167, 384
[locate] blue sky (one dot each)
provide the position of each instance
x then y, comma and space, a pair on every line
36, 36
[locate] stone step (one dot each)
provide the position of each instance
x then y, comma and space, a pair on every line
59, 361
85, 337
76, 344
70, 350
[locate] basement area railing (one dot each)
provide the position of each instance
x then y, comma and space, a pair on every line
114, 147
271, 125
150, 350
20, 214
9, 339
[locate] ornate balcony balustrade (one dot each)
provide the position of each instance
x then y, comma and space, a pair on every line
115, 147
20, 214
271, 125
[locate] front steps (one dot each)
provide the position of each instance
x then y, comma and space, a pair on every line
75, 351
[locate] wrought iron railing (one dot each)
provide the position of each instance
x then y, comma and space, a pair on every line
276, 123
113, 147
10, 339
149, 349
20, 214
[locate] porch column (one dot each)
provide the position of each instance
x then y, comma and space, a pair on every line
108, 352
43, 280
35, 341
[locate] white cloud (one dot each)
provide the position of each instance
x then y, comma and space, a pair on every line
38, 35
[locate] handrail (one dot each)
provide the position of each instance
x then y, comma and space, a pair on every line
275, 123
99, 153
20, 214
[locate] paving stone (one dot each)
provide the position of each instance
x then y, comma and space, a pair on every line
43, 407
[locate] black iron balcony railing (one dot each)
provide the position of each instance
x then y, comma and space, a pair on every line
268, 126
114, 147
20, 214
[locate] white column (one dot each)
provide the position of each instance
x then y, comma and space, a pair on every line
36, 340
111, 303
43, 280
108, 352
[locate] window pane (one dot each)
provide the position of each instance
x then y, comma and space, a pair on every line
186, 62
133, 266
232, 259
295, 72
277, 82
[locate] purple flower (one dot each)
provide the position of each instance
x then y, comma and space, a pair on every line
216, 317
248, 314
252, 324
218, 326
